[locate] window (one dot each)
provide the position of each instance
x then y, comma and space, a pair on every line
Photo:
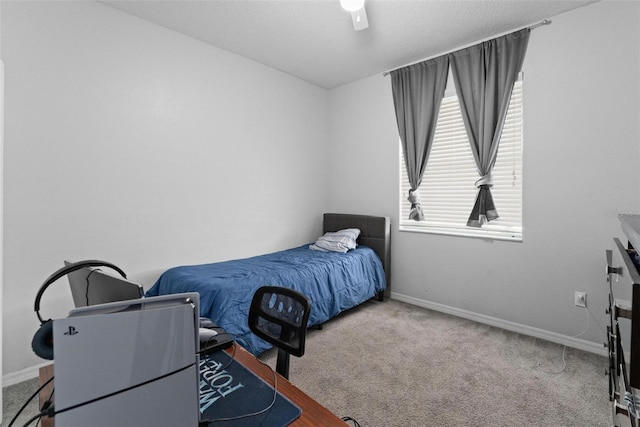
448, 189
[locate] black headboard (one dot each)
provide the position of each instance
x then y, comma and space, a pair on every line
375, 232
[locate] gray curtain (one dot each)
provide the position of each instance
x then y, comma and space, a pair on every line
484, 76
417, 94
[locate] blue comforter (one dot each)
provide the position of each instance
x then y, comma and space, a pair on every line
332, 281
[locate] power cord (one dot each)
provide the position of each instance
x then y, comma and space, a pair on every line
203, 347
564, 348
46, 405
353, 420
252, 414
232, 355
595, 319
15, 417
35, 417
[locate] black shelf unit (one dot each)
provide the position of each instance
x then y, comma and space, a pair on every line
623, 330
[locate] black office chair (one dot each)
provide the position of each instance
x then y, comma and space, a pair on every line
279, 316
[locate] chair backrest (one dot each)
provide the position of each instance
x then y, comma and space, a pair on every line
279, 316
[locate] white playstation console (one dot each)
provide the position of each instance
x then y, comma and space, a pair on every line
128, 363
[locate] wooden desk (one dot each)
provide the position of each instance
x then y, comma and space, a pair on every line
46, 372
313, 413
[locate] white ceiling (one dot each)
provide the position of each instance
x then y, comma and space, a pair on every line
315, 40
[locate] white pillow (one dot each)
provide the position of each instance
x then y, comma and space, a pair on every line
338, 241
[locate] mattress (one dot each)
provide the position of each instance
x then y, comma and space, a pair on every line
333, 281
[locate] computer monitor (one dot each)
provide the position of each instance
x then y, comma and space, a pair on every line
91, 286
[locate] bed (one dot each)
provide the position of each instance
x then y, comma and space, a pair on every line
333, 281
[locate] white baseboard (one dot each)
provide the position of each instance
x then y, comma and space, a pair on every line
591, 347
22, 375
580, 344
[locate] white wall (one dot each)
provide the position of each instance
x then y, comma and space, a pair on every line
582, 151
130, 143
125, 142
1, 200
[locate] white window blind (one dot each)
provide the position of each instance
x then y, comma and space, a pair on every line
448, 189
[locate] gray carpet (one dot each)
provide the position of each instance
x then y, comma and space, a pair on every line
394, 364
13, 397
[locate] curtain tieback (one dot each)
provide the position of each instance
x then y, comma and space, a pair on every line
415, 213
485, 180
414, 198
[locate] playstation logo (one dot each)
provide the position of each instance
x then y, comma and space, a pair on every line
71, 331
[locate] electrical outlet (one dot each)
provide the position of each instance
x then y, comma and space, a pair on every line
580, 299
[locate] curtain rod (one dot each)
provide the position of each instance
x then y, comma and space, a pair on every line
531, 27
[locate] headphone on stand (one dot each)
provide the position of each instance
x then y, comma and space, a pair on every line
42, 343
